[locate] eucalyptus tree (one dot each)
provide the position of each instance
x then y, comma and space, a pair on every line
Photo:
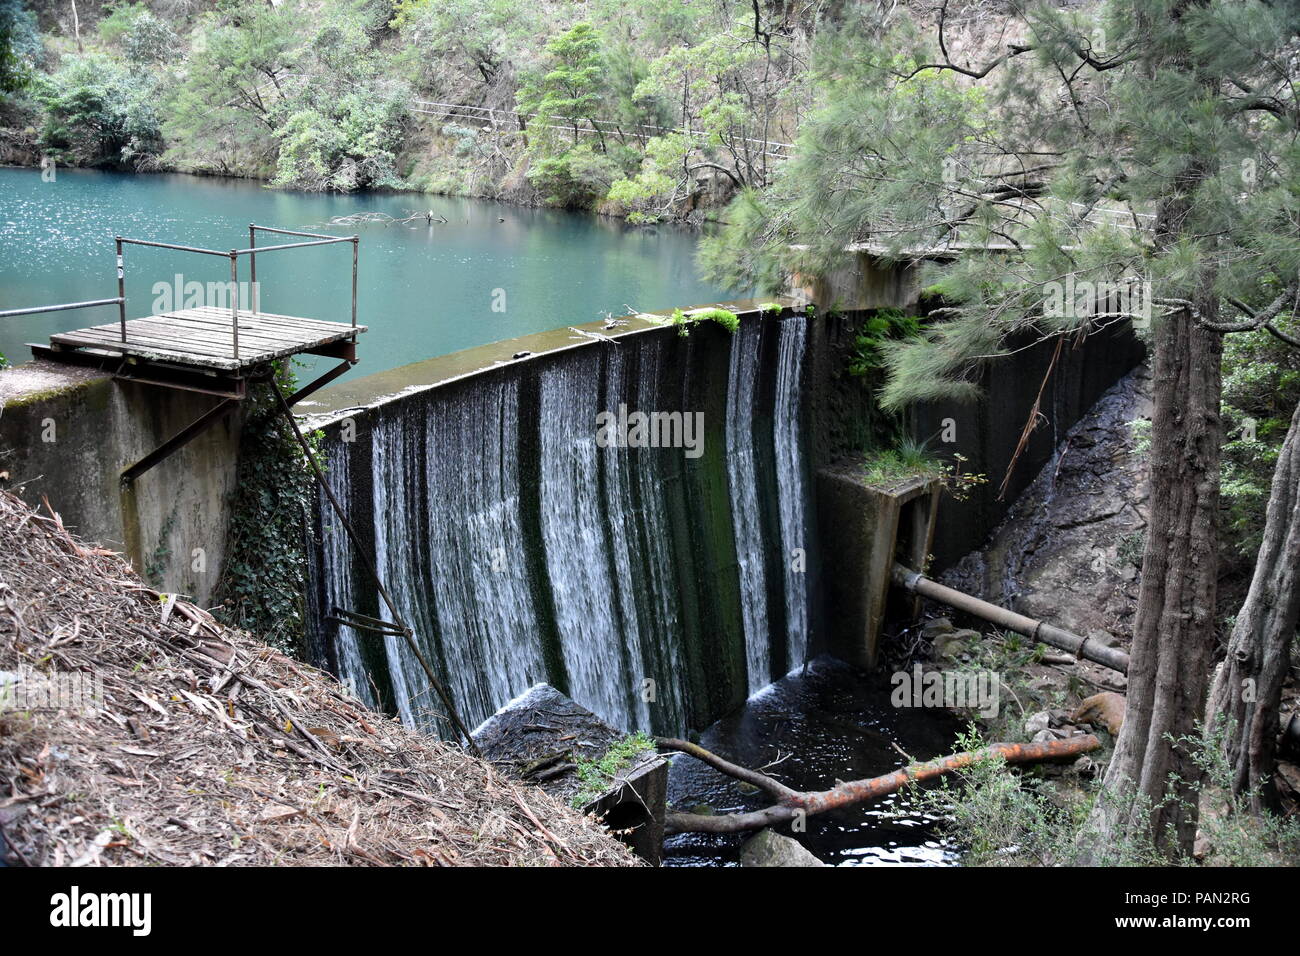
244, 59
1128, 163
306, 94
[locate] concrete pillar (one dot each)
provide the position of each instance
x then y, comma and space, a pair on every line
864, 528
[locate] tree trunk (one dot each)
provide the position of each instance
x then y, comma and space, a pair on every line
795, 804
1247, 688
76, 27
1173, 631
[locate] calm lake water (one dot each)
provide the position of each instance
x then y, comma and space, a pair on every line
425, 290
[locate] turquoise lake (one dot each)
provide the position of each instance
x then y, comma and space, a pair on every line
425, 289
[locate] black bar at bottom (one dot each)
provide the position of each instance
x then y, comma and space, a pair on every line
179, 440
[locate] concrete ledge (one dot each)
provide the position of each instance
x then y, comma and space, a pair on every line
368, 391
863, 282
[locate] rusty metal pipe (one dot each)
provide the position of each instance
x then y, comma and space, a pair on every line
171, 245
234, 299
121, 289
252, 265
356, 241
917, 583
292, 245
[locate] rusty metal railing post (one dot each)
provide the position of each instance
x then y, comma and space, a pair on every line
252, 266
234, 298
356, 243
121, 288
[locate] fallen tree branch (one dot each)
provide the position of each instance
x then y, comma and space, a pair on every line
800, 804
761, 780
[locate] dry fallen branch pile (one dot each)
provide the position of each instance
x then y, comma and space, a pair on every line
208, 747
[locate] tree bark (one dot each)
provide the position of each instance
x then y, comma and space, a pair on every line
1173, 630
793, 803
1247, 688
76, 27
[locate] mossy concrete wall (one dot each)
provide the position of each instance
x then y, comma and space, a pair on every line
66, 434
986, 432
687, 610
846, 422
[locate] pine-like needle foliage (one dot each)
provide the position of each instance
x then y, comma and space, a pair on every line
1030, 192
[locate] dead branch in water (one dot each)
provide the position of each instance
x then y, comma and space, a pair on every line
794, 803
383, 219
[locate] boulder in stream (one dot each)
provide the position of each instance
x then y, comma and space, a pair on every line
768, 848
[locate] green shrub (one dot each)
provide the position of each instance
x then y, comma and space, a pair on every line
1261, 386
884, 325
99, 114
911, 458
684, 320
1002, 816
596, 776
573, 178
20, 45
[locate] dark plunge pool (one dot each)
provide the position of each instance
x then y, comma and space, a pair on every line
829, 722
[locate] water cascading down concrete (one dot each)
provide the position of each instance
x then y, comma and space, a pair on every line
653, 587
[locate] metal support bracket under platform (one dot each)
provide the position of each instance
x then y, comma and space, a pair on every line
214, 415
178, 441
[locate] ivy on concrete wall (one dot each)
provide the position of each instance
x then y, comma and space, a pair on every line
265, 576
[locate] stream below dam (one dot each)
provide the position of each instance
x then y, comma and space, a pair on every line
817, 725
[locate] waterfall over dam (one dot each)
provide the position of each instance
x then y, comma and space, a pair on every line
657, 586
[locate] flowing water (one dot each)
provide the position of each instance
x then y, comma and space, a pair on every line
481, 591
634, 578
335, 568
600, 638
790, 466
742, 481
812, 729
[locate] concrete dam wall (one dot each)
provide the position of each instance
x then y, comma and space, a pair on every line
67, 433
658, 586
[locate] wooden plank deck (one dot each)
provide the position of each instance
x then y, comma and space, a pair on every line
203, 337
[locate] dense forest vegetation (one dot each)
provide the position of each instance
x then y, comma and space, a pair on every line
648, 110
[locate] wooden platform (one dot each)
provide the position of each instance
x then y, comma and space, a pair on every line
203, 338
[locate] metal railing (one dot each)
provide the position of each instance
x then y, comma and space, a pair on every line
61, 307
315, 239
489, 115
321, 240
